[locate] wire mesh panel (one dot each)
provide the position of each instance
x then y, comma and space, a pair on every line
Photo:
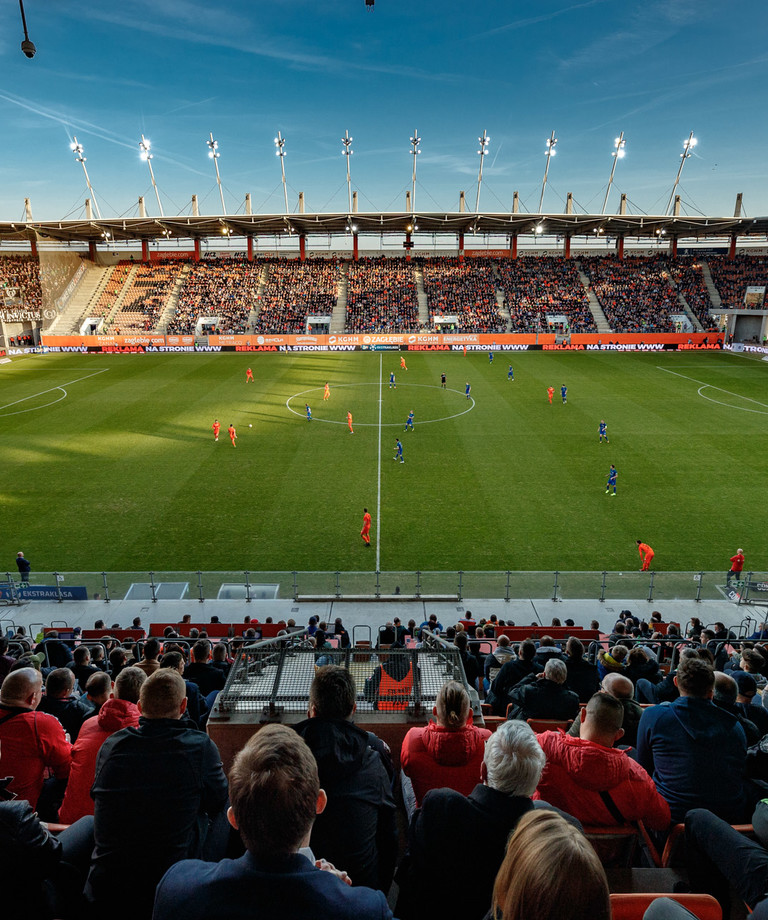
272, 678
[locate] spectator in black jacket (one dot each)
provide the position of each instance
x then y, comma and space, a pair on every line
82, 667
510, 675
582, 676
60, 700
545, 696
747, 690
209, 679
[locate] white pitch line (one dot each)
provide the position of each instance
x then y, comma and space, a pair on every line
51, 389
378, 471
712, 386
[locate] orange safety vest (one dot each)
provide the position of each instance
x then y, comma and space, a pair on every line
394, 695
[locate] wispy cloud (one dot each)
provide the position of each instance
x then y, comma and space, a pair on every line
536, 20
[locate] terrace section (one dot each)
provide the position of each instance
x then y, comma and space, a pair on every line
382, 296
545, 294
145, 296
732, 277
688, 274
216, 296
634, 293
295, 293
461, 295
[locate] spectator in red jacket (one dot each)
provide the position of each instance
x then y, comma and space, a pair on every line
120, 711
594, 781
446, 753
32, 741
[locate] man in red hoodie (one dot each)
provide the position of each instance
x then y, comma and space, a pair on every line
120, 711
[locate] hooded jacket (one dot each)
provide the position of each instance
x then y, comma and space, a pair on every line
696, 754
577, 771
434, 757
356, 832
113, 715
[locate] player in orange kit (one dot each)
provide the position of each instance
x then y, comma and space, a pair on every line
349, 422
327, 394
646, 554
402, 363
249, 375
365, 533
550, 393
216, 429
232, 435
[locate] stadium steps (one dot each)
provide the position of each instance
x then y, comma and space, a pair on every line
127, 285
253, 316
173, 300
688, 312
339, 314
421, 296
714, 294
594, 305
85, 297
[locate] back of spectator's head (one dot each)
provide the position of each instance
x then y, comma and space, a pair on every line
619, 628
637, 656
513, 759
705, 654
556, 671
59, 683
99, 686
556, 622
527, 650
52, 634
619, 653
461, 641
452, 705
547, 642
752, 661
550, 871
128, 684
118, 656
136, 623
332, 694
618, 685
695, 678
720, 627
570, 623
151, 649
201, 650
81, 654
602, 719
163, 695
220, 652
99, 624
747, 685
503, 641
574, 648
275, 792
173, 660
194, 633
594, 625
725, 691
20, 687
688, 651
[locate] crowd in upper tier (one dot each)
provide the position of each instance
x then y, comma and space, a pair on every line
637, 294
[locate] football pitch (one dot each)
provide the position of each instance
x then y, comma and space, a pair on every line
109, 462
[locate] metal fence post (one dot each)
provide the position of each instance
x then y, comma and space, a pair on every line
602, 589
200, 585
554, 588
152, 587
698, 588
378, 584
461, 585
338, 584
650, 588
418, 583
106, 587
58, 586
247, 587
506, 592
295, 585
746, 583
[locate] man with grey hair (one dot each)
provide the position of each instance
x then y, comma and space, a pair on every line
545, 696
440, 829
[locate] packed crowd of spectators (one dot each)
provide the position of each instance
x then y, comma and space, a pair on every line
21, 273
147, 296
381, 296
117, 277
732, 277
295, 290
227, 289
465, 289
106, 743
635, 293
688, 275
539, 286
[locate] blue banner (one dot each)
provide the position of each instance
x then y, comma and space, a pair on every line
44, 593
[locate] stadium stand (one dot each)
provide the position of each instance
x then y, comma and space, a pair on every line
634, 293
146, 296
23, 274
688, 274
226, 290
466, 290
295, 290
732, 276
381, 296
535, 287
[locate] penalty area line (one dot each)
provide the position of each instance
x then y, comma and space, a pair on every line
712, 386
51, 390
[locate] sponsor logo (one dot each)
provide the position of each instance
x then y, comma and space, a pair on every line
306, 340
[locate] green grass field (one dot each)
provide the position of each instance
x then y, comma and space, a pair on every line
109, 462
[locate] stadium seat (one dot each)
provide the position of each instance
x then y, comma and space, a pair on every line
633, 906
676, 840
549, 725
618, 846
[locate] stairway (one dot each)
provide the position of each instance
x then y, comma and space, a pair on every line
173, 301
253, 316
714, 294
339, 315
86, 294
421, 296
127, 285
688, 312
594, 304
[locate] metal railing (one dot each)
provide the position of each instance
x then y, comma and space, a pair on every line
156, 586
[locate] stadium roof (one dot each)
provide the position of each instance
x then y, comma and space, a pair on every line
243, 225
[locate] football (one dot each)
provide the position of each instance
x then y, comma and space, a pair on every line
250, 426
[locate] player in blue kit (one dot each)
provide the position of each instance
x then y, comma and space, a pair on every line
564, 393
490, 357
612, 476
398, 451
392, 383
467, 389
309, 412
603, 432
409, 421
510, 373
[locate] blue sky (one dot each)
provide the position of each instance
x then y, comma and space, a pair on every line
179, 69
